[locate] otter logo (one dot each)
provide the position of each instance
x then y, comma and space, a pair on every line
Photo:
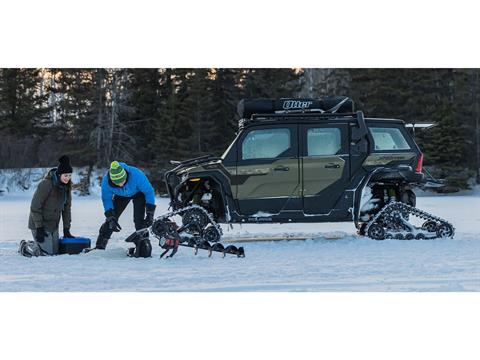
296, 104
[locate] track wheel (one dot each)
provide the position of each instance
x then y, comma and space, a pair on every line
196, 219
399, 236
211, 234
409, 236
420, 236
444, 231
430, 226
376, 232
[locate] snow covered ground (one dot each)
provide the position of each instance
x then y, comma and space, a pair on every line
335, 259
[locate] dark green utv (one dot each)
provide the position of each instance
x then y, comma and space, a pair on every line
309, 160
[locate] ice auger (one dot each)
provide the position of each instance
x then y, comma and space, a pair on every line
198, 231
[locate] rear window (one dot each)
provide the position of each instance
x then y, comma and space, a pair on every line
388, 139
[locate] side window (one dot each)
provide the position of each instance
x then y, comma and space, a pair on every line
388, 138
323, 141
266, 143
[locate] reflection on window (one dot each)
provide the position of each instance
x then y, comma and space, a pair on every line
388, 139
265, 144
323, 141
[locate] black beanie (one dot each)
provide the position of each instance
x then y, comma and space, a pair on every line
64, 166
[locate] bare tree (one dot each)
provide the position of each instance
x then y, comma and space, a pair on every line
324, 82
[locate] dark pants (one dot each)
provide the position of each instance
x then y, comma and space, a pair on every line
119, 205
50, 242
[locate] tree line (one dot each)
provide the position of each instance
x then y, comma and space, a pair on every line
149, 116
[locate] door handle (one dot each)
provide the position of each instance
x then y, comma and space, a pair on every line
282, 168
332, 166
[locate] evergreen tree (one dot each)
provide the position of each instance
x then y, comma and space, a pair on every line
269, 83
225, 97
194, 113
81, 105
22, 106
144, 103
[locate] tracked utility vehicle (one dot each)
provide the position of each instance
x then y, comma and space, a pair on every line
309, 160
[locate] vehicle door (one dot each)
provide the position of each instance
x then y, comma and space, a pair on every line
325, 165
268, 172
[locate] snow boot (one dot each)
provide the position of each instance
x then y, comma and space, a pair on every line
29, 249
101, 243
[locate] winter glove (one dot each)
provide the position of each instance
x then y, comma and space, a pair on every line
67, 234
150, 213
112, 221
40, 235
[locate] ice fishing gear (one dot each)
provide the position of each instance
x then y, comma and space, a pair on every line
143, 247
198, 231
73, 246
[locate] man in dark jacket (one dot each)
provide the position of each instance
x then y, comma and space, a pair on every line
120, 185
51, 200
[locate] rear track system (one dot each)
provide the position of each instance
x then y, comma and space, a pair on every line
392, 222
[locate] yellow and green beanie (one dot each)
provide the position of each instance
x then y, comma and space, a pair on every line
117, 173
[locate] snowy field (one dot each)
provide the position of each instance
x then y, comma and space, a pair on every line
335, 259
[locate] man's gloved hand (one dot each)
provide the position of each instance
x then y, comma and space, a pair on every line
67, 234
112, 221
40, 235
150, 213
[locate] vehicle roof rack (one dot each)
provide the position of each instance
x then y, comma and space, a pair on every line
330, 104
260, 109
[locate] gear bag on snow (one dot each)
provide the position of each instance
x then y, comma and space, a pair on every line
143, 247
73, 246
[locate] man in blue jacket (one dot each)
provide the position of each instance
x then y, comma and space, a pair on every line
120, 185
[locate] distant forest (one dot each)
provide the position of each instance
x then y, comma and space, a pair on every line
148, 116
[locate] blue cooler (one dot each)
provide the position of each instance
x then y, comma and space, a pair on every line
73, 245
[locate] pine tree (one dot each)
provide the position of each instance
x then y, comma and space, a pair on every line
164, 144
80, 104
22, 106
182, 115
380, 92
195, 110
144, 102
269, 83
225, 97
467, 113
